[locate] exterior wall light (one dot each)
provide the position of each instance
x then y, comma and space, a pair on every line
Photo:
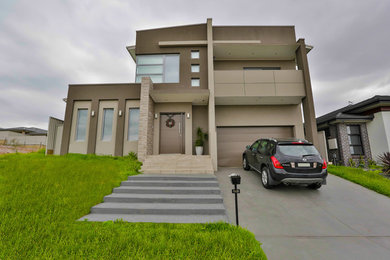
120, 113
188, 115
155, 116
93, 113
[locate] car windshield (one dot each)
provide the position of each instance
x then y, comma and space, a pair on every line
297, 150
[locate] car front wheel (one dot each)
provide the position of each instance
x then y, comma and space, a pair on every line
245, 164
265, 178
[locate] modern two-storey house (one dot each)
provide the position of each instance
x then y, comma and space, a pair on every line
238, 83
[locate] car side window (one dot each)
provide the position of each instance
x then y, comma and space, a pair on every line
263, 147
270, 147
255, 146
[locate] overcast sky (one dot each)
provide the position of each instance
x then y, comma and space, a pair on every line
46, 45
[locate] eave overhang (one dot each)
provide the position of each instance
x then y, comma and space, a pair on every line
131, 50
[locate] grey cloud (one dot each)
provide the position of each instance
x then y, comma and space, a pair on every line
46, 45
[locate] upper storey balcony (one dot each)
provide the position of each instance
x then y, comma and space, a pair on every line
255, 87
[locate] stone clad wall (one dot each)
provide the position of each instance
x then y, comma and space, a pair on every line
343, 143
146, 117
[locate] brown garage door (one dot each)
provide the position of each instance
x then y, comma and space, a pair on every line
232, 141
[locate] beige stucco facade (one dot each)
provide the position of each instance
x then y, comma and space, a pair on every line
250, 76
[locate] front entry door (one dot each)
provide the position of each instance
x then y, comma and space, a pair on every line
171, 133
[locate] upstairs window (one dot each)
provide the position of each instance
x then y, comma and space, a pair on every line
194, 54
195, 68
355, 141
195, 82
162, 68
261, 68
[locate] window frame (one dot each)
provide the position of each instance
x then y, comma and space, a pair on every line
163, 65
78, 124
104, 123
195, 86
129, 126
262, 68
359, 135
193, 52
195, 65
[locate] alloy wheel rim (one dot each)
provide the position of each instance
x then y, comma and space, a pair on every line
244, 163
264, 177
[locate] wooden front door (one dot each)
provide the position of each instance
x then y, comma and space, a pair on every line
171, 133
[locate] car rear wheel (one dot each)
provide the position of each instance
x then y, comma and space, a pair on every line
245, 164
315, 186
265, 178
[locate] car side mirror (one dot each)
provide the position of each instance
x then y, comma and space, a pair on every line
248, 146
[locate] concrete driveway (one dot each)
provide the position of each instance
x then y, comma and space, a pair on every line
342, 220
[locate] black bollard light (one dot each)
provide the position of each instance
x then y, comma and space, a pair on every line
235, 179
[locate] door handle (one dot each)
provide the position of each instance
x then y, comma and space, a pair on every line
180, 128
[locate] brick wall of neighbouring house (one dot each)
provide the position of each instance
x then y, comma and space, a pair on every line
343, 143
146, 112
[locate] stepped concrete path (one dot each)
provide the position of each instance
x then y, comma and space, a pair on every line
178, 198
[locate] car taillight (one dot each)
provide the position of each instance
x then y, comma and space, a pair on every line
324, 165
276, 163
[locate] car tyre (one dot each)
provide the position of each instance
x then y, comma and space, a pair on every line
245, 164
314, 186
265, 178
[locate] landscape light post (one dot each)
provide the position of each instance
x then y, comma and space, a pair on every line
235, 179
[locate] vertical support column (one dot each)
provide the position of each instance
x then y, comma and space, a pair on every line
307, 102
120, 127
210, 67
93, 124
67, 126
146, 111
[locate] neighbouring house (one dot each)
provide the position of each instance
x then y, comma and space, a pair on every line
238, 83
357, 131
23, 136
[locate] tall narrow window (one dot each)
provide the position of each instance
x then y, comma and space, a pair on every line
133, 124
355, 141
108, 117
194, 54
81, 125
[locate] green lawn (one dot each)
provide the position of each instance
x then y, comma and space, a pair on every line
369, 179
42, 197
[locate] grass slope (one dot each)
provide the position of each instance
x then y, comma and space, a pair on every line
369, 179
42, 197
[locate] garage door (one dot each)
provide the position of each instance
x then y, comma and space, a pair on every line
231, 141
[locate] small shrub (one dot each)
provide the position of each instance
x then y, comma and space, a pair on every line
362, 163
133, 156
201, 137
371, 163
352, 163
385, 160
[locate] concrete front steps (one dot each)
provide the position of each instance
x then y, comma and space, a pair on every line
163, 198
177, 163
